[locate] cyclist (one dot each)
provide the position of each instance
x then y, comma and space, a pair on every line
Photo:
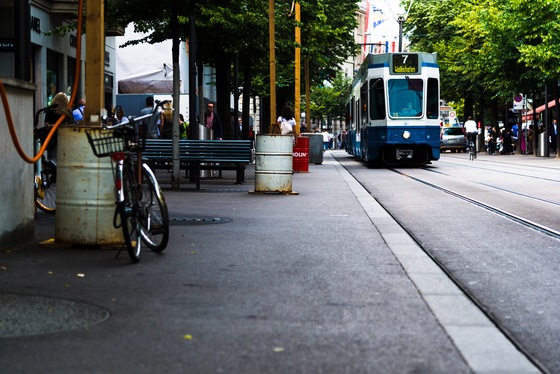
471, 131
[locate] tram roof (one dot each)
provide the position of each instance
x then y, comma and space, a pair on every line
424, 58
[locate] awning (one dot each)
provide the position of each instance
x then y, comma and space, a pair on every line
140, 86
529, 115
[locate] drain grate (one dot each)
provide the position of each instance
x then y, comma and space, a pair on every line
197, 220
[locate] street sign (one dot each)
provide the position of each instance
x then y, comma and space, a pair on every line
518, 102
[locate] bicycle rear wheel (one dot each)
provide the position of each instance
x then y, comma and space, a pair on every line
155, 217
129, 214
45, 191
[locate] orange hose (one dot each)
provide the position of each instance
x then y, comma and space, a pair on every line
8, 113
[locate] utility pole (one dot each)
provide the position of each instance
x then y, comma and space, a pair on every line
297, 99
272, 63
95, 67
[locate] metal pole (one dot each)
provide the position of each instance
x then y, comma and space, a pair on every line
95, 67
297, 99
236, 130
307, 97
272, 62
545, 143
400, 19
193, 120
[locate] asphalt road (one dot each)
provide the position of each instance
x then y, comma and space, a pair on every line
321, 282
509, 270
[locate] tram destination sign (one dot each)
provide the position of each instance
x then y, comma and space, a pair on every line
405, 63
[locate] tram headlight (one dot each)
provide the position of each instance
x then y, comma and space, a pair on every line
406, 134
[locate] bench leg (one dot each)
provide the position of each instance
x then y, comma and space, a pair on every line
196, 176
240, 177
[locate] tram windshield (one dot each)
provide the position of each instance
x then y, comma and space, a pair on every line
406, 97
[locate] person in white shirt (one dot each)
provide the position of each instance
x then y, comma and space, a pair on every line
471, 131
119, 115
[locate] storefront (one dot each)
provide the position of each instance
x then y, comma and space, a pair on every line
51, 58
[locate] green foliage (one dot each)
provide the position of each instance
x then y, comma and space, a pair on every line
226, 27
488, 48
329, 100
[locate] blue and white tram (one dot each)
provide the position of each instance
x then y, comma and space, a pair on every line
393, 109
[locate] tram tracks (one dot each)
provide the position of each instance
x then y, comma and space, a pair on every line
472, 296
407, 258
510, 216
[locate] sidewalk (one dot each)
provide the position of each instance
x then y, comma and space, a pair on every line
324, 281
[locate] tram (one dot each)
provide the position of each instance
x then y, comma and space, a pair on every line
393, 109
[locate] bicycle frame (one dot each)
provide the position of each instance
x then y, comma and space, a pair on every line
141, 210
44, 175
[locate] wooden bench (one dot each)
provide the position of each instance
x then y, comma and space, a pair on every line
197, 155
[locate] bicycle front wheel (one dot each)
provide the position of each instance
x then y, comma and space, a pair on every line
45, 190
128, 211
155, 217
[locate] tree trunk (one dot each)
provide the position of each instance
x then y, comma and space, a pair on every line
247, 76
223, 75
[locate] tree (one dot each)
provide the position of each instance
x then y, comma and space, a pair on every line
488, 49
329, 100
240, 27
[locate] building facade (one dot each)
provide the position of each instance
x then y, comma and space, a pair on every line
31, 50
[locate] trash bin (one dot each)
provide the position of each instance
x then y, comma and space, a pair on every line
542, 145
301, 155
273, 163
315, 147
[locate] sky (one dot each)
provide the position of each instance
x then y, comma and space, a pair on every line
383, 27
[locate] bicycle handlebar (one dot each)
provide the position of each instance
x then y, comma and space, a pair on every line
40, 111
132, 120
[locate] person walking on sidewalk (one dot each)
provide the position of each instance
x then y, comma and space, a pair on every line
213, 122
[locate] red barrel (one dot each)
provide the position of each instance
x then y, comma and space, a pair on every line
301, 155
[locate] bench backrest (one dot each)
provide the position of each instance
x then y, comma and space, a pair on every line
200, 150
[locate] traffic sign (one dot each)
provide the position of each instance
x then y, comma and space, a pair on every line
518, 102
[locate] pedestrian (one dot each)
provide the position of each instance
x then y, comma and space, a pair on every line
119, 115
58, 108
530, 137
78, 113
286, 121
553, 135
167, 123
151, 123
523, 140
326, 137
183, 127
343, 140
213, 122
507, 142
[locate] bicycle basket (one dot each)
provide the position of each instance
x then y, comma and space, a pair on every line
105, 142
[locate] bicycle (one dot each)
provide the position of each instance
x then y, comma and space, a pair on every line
44, 168
471, 147
141, 210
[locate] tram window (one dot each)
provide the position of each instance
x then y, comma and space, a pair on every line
376, 99
405, 97
364, 105
432, 99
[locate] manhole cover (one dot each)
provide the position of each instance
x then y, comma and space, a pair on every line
197, 220
25, 315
